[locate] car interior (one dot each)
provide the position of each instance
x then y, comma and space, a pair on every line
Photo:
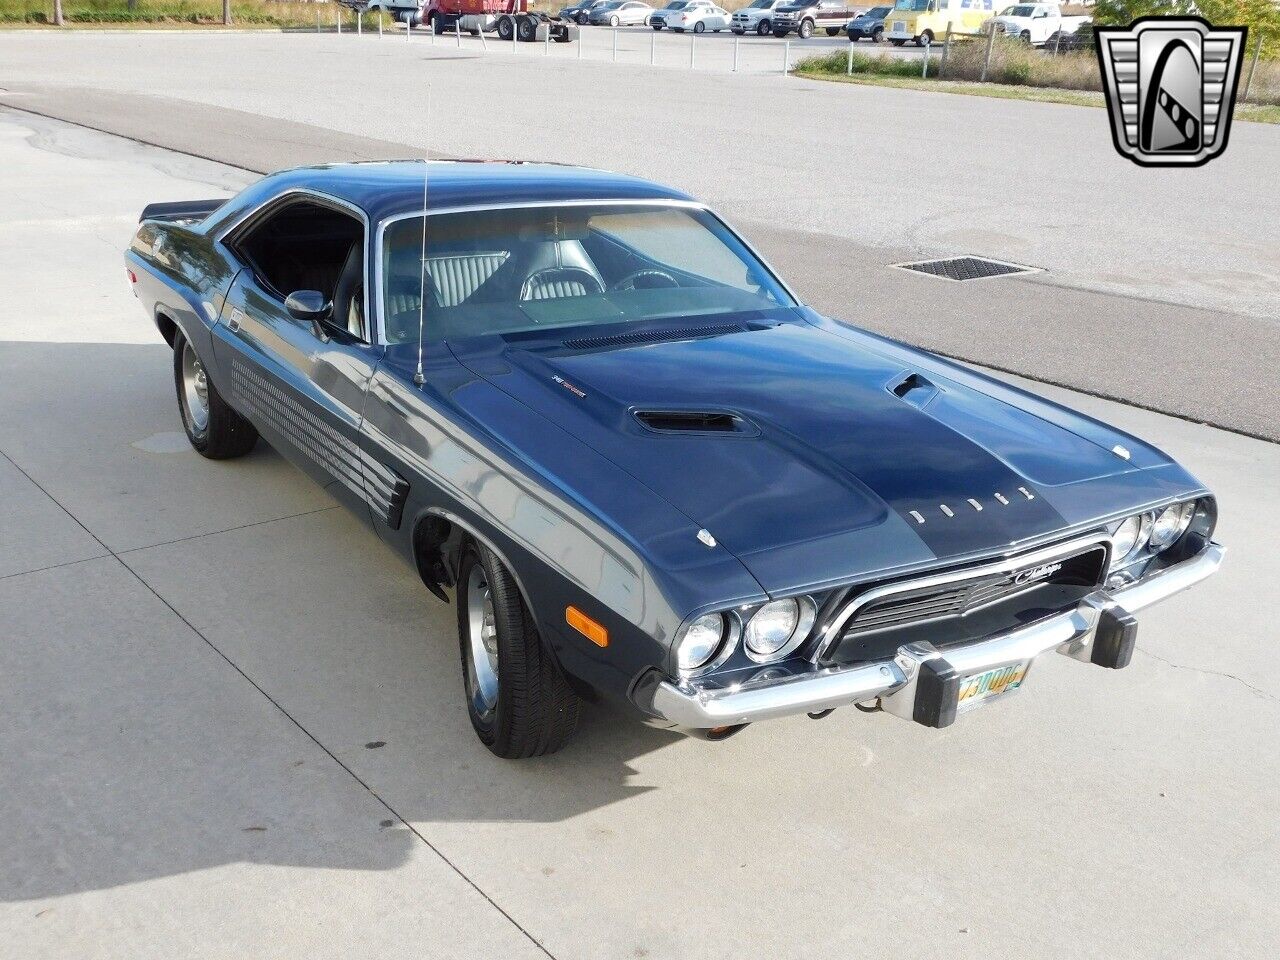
311, 246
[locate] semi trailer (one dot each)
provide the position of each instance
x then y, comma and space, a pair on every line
507, 18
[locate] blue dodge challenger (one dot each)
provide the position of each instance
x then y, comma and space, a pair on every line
642, 470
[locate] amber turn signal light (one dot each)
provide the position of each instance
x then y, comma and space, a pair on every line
586, 626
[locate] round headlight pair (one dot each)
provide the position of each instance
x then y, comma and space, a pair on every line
777, 628
1157, 531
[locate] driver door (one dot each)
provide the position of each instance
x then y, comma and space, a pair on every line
302, 383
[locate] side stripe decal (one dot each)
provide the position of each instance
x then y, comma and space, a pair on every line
377, 484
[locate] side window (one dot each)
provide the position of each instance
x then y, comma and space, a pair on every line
310, 245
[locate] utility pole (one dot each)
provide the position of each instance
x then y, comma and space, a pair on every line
57, 14
226, 13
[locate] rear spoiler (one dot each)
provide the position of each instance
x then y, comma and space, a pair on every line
183, 211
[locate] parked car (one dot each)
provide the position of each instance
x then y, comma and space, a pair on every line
925, 21
590, 417
806, 16
658, 19
621, 13
868, 25
580, 13
699, 19
755, 17
1080, 39
1035, 23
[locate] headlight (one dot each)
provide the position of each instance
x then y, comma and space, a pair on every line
699, 640
778, 627
1170, 524
1128, 538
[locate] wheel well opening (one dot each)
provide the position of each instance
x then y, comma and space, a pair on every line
168, 329
434, 553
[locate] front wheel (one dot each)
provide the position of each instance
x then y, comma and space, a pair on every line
214, 429
614, 21
1025, 37
877, 35
833, 31
925, 39
526, 30
764, 28
519, 702
805, 30
506, 29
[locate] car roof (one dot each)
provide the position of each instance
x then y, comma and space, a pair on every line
387, 188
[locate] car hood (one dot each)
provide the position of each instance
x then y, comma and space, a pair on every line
827, 472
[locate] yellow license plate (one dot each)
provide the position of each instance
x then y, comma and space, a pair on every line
983, 687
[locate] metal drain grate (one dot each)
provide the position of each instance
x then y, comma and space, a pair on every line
966, 268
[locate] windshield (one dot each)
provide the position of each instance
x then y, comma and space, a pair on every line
541, 268
1018, 11
878, 13
762, 4
918, 6
677, 5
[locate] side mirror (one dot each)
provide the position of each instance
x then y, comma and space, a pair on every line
310, 306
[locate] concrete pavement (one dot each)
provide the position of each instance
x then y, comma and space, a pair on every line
236, 723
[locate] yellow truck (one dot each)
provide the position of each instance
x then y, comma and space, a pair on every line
925, 21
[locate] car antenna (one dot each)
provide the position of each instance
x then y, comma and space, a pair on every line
418, 377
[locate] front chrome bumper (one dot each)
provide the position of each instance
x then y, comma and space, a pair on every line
919, 683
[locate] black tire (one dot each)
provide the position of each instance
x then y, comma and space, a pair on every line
764, 28
877, 35
699, 27
833, 31
1025, 37
526, 30
226, 434
805, 30
506, 29
536, 712
897, 43
613, 22
925, 39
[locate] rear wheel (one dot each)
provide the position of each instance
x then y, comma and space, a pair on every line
518, 700
833, 31
214, 429
699, 27
614, 21
526, 29
925, 39
764, 28
506, 29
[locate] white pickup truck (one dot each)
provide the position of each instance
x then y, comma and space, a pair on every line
1035, 23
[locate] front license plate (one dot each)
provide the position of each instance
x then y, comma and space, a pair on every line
984, 687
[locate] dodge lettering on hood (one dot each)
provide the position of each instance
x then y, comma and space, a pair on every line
642, 470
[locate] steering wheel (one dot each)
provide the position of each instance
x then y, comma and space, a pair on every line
652, 278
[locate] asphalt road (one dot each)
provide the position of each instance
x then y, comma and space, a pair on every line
1158, 285
234, 722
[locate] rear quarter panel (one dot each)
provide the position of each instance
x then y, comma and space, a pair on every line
183, 278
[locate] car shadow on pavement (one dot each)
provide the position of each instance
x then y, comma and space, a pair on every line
253, 677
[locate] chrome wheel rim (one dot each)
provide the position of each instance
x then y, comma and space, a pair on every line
482, 644
195, 390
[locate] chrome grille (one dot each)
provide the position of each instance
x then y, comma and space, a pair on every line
1079, 564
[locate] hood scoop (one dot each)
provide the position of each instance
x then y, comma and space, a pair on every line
654, 336
693, 421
